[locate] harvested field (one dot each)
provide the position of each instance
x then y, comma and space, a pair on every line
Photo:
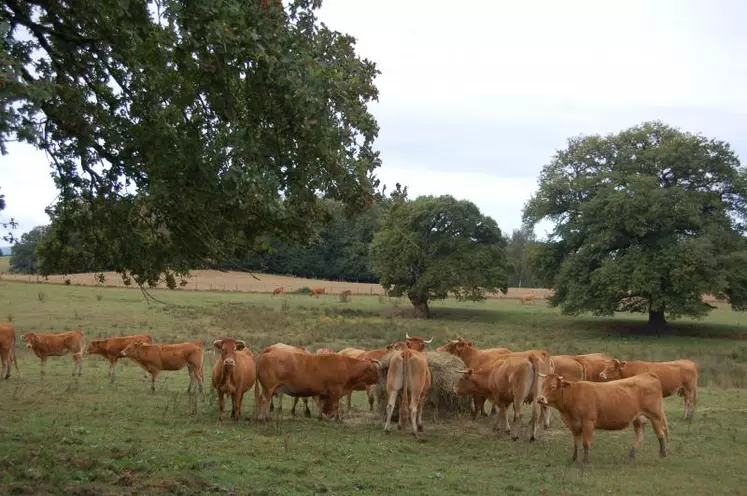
215, 280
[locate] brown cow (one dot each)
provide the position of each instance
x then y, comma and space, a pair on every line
111, 348
511, 381
586, 406
317, 291
473, 358
569, 367
679, 376
157, 357
410, 373
58, 344
526, 298
594, 364
8, 348
233, 374
307, 411
329, 376
278, 291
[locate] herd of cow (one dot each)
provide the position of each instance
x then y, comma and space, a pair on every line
591, 391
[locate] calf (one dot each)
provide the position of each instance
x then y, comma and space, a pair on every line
408, 372
586, 406
111, 348
57, 344
679, 376
512, 381
234, 373
157, 357
328, 376
473, 358
8, 348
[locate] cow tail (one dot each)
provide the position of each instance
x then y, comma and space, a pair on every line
257, 386
13, 357
584, 369
405, 401
535, 377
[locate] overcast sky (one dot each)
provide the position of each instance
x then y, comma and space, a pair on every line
475, 97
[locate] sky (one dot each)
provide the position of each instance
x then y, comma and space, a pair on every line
475, 98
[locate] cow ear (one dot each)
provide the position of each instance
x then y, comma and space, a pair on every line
218, 343
564, 383
469, 344
240, 345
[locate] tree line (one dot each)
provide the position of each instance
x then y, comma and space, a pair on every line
240, 135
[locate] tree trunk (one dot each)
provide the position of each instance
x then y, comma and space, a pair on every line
421, 306
656, 319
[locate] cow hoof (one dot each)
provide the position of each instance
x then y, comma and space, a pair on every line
420, 428
532, 439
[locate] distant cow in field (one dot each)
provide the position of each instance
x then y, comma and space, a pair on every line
317, 291
158, 357
57, 344
679, 376
111, 348
586, 406
527, 298
278, 291
8, 348
234, 373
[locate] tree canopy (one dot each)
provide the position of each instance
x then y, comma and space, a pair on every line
646, 220
24, 259
186, 133
432, 246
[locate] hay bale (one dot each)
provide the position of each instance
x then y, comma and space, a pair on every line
441, 399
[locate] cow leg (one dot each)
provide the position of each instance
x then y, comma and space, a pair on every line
391, 402
295, 402
535, 420
577, 439
369, 395
688, 397
421, 404
588, 432
6, 373
638, 429
502, 418
350, 399
153, 376
413, 411
518, 412
112, 366
43, 366
659, 423
306, 411
79, 360
221, 406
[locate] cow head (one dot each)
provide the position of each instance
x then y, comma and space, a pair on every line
132, 349
416, 343
613, 369
371, 374
465, 385
228, 348
94, 346
30, 338
399, 345
552, 389
455, 346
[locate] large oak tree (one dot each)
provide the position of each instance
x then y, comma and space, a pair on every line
181, 133
646, 220
432, 246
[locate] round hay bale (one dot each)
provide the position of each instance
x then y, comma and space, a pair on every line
441, 399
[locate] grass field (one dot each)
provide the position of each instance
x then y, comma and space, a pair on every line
4, 264
83, 435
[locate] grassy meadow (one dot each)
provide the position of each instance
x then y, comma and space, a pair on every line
61, 434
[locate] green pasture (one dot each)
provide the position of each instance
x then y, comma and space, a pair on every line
66, 435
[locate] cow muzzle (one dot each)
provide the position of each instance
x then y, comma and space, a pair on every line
229, 362
603, 376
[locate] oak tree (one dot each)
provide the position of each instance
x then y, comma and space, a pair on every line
646, 220
184, 133
432, 246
